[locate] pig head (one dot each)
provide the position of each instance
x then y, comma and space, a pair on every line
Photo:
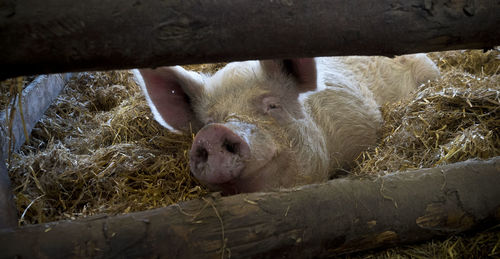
253, 133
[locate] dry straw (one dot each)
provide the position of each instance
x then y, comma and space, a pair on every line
448, 120
98, 149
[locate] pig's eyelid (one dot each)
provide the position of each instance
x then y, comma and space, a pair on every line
270, 103
273, 106
270, 100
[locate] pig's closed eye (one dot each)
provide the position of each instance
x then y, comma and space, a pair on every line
273, 106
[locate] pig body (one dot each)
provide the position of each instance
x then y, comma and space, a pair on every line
263, 125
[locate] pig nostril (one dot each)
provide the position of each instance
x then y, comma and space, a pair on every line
230, 147
202, 154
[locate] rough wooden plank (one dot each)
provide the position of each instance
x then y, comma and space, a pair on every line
68, 35
340, 216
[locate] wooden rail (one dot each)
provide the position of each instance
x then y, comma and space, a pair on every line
54, 36
336, 217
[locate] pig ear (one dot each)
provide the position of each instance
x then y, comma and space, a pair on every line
302, 69
170, 92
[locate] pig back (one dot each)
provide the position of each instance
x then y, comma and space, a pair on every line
349, 118
384, 79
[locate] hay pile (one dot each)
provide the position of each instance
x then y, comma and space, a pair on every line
98, 149
448, 120
451, 119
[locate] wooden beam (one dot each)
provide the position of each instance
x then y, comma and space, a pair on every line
53, 36
337, 217
8, 212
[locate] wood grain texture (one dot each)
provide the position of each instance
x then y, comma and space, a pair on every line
337, 217
55, 36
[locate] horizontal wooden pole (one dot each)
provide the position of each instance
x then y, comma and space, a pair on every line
340, 216
53, 36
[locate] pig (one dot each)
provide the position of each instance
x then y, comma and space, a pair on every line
271, 124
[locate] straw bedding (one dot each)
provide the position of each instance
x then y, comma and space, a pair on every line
99, 150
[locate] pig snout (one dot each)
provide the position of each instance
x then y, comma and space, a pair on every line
218, 155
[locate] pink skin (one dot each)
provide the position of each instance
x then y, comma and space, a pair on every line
234, 156
218, 155
221, 158
258, 133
